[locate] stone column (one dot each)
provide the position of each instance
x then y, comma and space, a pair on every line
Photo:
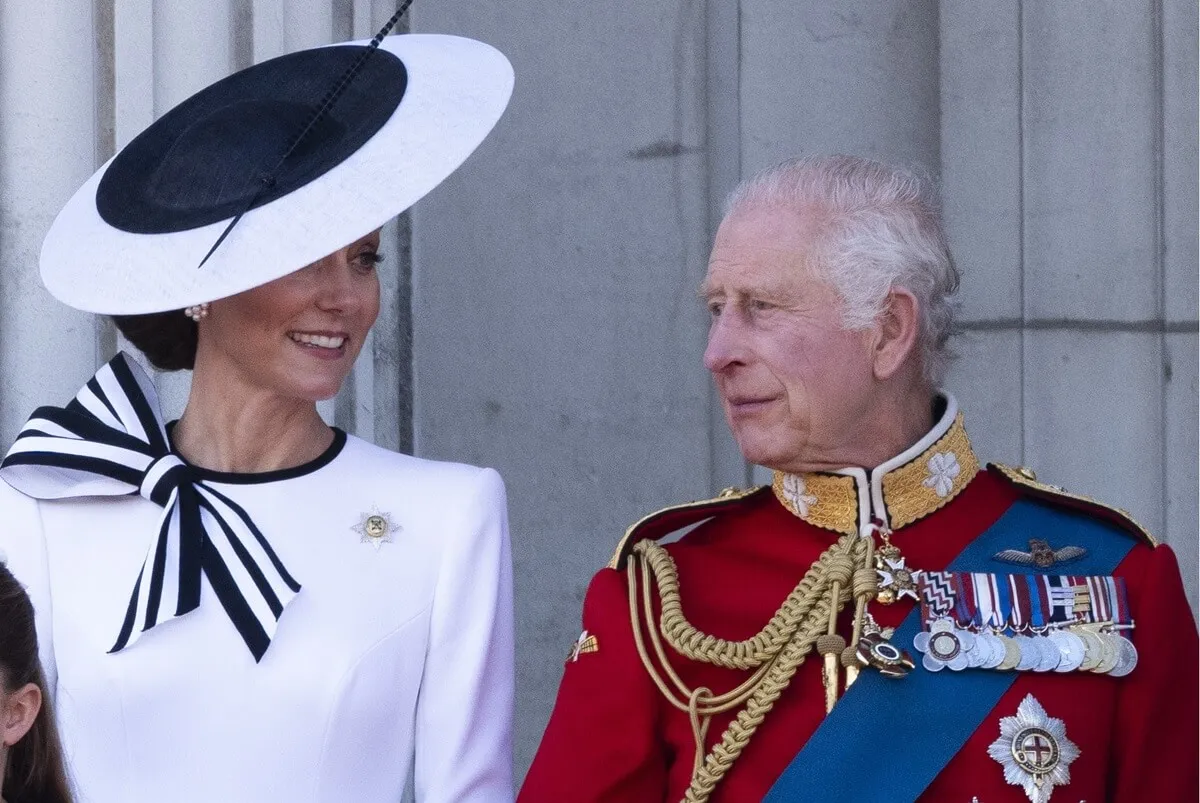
47, 150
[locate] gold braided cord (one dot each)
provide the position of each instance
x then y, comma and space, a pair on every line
754, 651
866, 585
776, 652
706, 704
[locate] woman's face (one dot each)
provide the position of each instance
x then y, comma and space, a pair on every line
297, 336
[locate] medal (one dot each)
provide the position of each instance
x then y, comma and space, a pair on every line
1127, 657
1093, 650
875, 650
1110, 654
944, 645
1012, 654
896, 580
1030, 623
995, 650
1050, 656
1070, 650
1029, 653
1034, 750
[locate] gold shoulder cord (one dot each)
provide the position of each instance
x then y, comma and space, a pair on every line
807, 616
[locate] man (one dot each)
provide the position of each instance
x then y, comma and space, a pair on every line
755, 657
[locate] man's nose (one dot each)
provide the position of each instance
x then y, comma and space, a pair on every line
725, 344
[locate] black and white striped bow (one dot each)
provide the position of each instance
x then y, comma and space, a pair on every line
110, 441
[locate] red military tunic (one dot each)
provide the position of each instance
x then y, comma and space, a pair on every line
614, 737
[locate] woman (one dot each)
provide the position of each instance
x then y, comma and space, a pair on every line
31, 767
250, 605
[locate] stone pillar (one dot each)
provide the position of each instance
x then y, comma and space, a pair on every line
558, 336
857, 77
47, 150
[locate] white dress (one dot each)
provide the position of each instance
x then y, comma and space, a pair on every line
395, 656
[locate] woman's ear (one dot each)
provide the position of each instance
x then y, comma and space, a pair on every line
18, 712
897, 331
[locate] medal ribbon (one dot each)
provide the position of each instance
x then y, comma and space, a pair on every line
964, 607
1037, 605
987, 615
1004, 607
1120, 597
1101, 610
937, 595
1061, 596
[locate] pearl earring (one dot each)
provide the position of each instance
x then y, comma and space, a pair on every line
197, 311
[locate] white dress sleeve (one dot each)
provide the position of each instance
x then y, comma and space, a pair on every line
23, 542
465, 705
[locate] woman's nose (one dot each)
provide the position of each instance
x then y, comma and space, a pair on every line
338, 291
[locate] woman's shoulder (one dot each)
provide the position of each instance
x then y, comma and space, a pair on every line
15, 503
377, 463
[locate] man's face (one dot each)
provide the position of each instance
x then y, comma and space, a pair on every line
794, 383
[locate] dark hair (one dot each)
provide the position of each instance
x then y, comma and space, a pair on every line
168, 339
35, 771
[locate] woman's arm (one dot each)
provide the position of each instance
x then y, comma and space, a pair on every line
465, 706
22, 540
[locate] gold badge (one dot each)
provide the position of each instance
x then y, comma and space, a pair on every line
1041, 554
376, 528
584, 644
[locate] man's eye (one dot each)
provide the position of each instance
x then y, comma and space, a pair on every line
758, 305
714, 308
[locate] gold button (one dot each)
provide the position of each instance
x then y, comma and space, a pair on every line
376, 526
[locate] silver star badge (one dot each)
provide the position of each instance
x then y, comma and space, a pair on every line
376, 528
1034, 750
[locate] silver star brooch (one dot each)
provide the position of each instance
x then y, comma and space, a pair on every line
376, 528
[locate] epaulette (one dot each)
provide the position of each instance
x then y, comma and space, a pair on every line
1026, 482
662, 523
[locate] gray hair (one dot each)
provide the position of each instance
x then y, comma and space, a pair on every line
883, 230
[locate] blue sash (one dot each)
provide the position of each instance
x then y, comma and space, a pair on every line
868, 748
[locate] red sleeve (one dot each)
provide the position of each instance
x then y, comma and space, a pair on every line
1156, 736
601, 743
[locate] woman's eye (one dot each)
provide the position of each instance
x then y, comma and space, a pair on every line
367, 260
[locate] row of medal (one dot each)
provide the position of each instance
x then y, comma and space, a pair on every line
1038, 623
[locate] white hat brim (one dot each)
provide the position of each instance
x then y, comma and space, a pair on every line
457, 90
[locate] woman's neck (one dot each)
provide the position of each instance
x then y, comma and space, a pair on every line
228, 426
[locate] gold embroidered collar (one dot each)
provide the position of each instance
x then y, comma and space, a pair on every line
910, 486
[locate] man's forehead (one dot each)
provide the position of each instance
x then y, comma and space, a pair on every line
746, 262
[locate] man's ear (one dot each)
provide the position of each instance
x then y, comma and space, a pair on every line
897, 331
18, 713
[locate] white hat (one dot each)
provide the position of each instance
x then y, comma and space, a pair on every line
133, 238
